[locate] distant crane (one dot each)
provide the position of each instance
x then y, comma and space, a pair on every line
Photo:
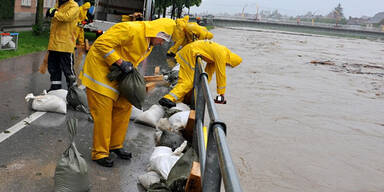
242, 12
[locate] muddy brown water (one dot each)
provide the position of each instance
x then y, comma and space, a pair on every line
296, 126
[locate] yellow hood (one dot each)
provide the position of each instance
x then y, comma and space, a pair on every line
86, 6
165, 25
234, 59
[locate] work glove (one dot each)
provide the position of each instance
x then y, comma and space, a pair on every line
50, 12
167, 103
220, 99
126, 66
171, 54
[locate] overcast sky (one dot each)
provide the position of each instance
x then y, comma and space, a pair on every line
355, 8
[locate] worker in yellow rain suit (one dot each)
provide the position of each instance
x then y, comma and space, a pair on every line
179, 35
194, 31
125, 44
191, 32
215, 55
83, 19
62, 41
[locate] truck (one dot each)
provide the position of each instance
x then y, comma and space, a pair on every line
106, 13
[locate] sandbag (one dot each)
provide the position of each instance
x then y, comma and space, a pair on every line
131, 85
179, 120
178, 176
77, 98
133, 88
49, 103
163, 159
71, 173
135, 113
171, 139
151, 116
62, 93
163, 124
149, 179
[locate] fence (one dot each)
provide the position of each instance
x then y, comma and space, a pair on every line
215, 160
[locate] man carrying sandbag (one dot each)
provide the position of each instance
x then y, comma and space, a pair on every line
125, 45
217, 57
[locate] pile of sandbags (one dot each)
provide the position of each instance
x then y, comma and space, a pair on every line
162, 161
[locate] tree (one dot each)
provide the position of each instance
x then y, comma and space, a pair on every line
161, 6
38, 27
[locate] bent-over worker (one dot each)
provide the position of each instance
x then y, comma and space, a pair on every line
215, 55
186, 33
125, 44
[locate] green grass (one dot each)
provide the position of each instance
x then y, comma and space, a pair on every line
28, 43
209, 27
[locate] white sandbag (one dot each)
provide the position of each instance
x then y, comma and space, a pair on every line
149, 179
151, 116
163, 124
163, 159
160, 151
163, 164
182, 107
179, 120
50, 103
135, 113
62, 93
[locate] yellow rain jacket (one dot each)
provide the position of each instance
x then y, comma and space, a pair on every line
82, 17
62, 36
129, 41
215, 55
179, 35
197, 31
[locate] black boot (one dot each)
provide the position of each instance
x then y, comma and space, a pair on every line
54, 87
122, 153
105, 162
167, 103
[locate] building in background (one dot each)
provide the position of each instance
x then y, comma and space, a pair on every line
24, 10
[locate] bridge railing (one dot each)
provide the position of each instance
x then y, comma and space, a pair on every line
215, 160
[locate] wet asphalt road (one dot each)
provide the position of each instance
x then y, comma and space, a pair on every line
28, 158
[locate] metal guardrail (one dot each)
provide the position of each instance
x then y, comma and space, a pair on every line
215, 161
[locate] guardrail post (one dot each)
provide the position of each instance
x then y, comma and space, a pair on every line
198, 136
212, 174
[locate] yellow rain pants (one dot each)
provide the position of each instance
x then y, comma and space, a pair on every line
111, 119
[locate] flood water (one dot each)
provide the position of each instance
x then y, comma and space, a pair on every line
298, 126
